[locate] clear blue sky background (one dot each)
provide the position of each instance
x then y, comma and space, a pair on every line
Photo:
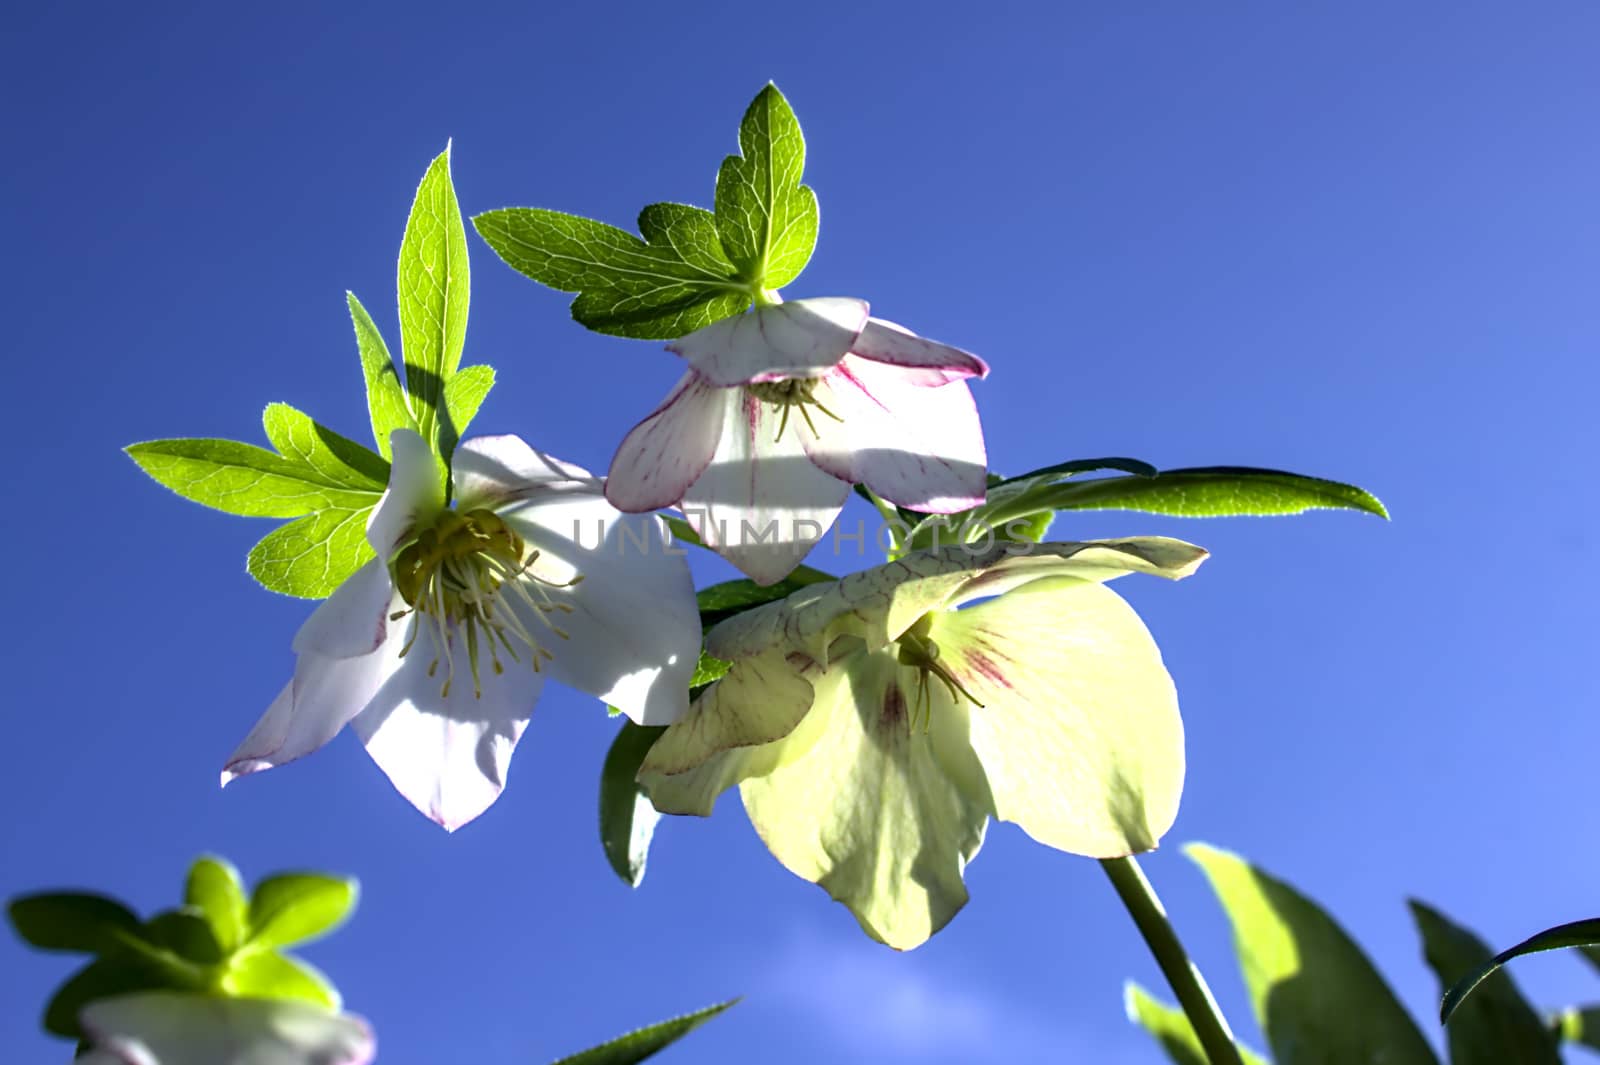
1360, 241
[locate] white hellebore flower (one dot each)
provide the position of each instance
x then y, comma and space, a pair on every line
435, 652
785, 407
873, 727
181, 1028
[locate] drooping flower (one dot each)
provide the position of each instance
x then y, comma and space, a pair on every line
875, 724
785, 407
435, 651
181, 1028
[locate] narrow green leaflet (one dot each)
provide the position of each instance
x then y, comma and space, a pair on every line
215, 890
291, 908
671, 283
1584, 933
1498, 1026
311, 557
101, 978
73, 920
267, 974
1317, 997
186, 935
767, 220
386, 396
1171, 1028
433, 283
1212, 492
646, 1042
627, 820
463, 395
246, 480
336, 459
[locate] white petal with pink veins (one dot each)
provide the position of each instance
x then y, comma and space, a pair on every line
354, 619
892, 343
762, 503
661, 456
415, 494
919, 447
448, 754
800, 338
181, 1028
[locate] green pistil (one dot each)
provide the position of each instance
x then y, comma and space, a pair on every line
917, 650
787, 393
458, 577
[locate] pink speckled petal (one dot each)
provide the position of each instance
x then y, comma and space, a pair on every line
892, 343
661, 456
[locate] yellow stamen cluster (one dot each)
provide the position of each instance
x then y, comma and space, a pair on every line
789, 393
464, 577
917, 650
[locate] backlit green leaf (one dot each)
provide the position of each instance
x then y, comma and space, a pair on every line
627, 820
268, 974
334, 458
246, 480
722, 601
101, 978
767, 220
434, 281
1585, 933
1171, 1028
1579, 1024
463, 395
73, 920
639, 1045
215, 890
311, 557
1212, 492
386, 396
292, 908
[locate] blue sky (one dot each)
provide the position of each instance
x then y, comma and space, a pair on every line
1359, 241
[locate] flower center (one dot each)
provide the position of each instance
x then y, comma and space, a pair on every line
916, 649
789, 393
468, 576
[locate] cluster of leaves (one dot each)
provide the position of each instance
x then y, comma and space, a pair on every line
689, 267
1318, 998
324, 481
221, 941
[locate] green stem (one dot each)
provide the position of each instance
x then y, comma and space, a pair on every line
1182, 974
891, 520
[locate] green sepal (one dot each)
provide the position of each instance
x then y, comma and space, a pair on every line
1315, 994
247, 480
81, 922
434, 283
1498, 1027
645, 1042
311, 557
101, 978
766, 218
215, 891
292, 908
1585, 933
627, 820
268, 974
1171, 1028
386, 396
671, 283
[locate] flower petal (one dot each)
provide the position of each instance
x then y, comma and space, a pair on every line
178, 1028
866, 811
892, 343
762, 503
916, 446
448, 754
661, 456
490, 471
1078, 733
415, 494
632, 624
800, 338
354, 619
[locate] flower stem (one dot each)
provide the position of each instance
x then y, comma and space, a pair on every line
1182, 974
891, 520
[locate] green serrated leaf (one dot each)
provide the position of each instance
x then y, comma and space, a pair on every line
641, 1044
73, 921
336, 459
1171, 1028
627, 820
185, 934
707, 671
268, 974
722, 601
463, 395
660, 290
386, 396
245, 480
434, 282
292, 908
101, 978
215, 890
1498, 1027
1585, 933
766, 218
1212, 492
1316, 996
311, 557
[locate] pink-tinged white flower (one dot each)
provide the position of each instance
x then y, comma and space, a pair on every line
875, 724
783, 409
179, 1028
435, 652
